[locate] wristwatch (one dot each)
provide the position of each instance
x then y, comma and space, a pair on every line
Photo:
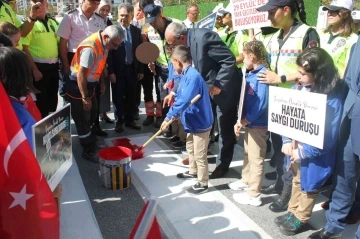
86, 98
283, 78
32, 19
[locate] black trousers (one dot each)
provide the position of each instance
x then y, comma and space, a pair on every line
48, 86
123, 94
84, 121
147, 84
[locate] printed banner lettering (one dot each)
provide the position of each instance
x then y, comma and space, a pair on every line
298, 115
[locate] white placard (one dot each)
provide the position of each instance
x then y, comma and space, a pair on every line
299, 115
321, 19
245, 16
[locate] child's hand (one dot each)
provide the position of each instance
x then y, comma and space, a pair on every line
165, 86
295, 155
164, 126
243, 122
237, 129
287, 149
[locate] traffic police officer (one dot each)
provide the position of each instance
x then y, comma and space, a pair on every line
41, 45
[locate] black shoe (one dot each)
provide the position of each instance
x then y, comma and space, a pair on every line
90, 156
133, 125
136, 115
271, 176
186, 175
148, 121
158, 122
166, 134
178, 145
282, 203
174, 139
100, 132
119, 128
284, 218
272, 188
272, 162
322, 234
218, 173
197, 189
292, 227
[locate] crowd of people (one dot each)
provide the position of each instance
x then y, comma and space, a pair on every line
94, 58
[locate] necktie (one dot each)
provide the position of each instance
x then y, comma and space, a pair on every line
128, 47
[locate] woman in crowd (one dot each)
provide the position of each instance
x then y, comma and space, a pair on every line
338, 38
311, 166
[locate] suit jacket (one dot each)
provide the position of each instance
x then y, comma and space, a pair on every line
116, 58
217, 65
352, 101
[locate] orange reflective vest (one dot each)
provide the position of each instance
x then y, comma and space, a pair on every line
94, 42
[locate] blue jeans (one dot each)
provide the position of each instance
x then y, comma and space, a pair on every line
347, 171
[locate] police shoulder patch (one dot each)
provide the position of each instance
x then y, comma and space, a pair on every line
72, 11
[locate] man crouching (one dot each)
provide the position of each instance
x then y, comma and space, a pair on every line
197, 118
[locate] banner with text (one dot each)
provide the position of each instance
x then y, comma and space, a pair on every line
299, 115
245, 16
52, 145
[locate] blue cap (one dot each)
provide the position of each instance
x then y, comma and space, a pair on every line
151, 12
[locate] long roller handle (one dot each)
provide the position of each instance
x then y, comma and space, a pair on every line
196, 98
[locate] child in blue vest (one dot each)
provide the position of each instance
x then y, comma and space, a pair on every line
197, 119
255, 120
311, 166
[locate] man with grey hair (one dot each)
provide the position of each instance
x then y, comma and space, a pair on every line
125, 71
86, 72
216, 63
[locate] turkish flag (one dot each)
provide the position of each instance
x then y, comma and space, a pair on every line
154, 232
27, 206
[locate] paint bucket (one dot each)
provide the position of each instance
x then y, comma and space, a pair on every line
115, 167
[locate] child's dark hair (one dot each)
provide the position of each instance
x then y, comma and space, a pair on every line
5, 41
15, 73
321, 65
8, 29
258, 49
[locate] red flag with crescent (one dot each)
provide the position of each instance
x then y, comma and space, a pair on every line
27, 205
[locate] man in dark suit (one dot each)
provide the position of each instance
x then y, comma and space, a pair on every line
125, 70
347, 170
216, 63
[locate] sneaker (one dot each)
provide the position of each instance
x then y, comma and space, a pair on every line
90, 156
179, 145
246, 199
174, 139
186, 175
283, 219
292, 227
238, 186
197, 189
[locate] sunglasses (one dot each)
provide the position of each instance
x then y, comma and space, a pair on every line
195, 14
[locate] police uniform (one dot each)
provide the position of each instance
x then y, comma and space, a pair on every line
147, 82
85, 119
283, 55
75, 27
161, 66
235, 41
42, 43
338, 47
8, 15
